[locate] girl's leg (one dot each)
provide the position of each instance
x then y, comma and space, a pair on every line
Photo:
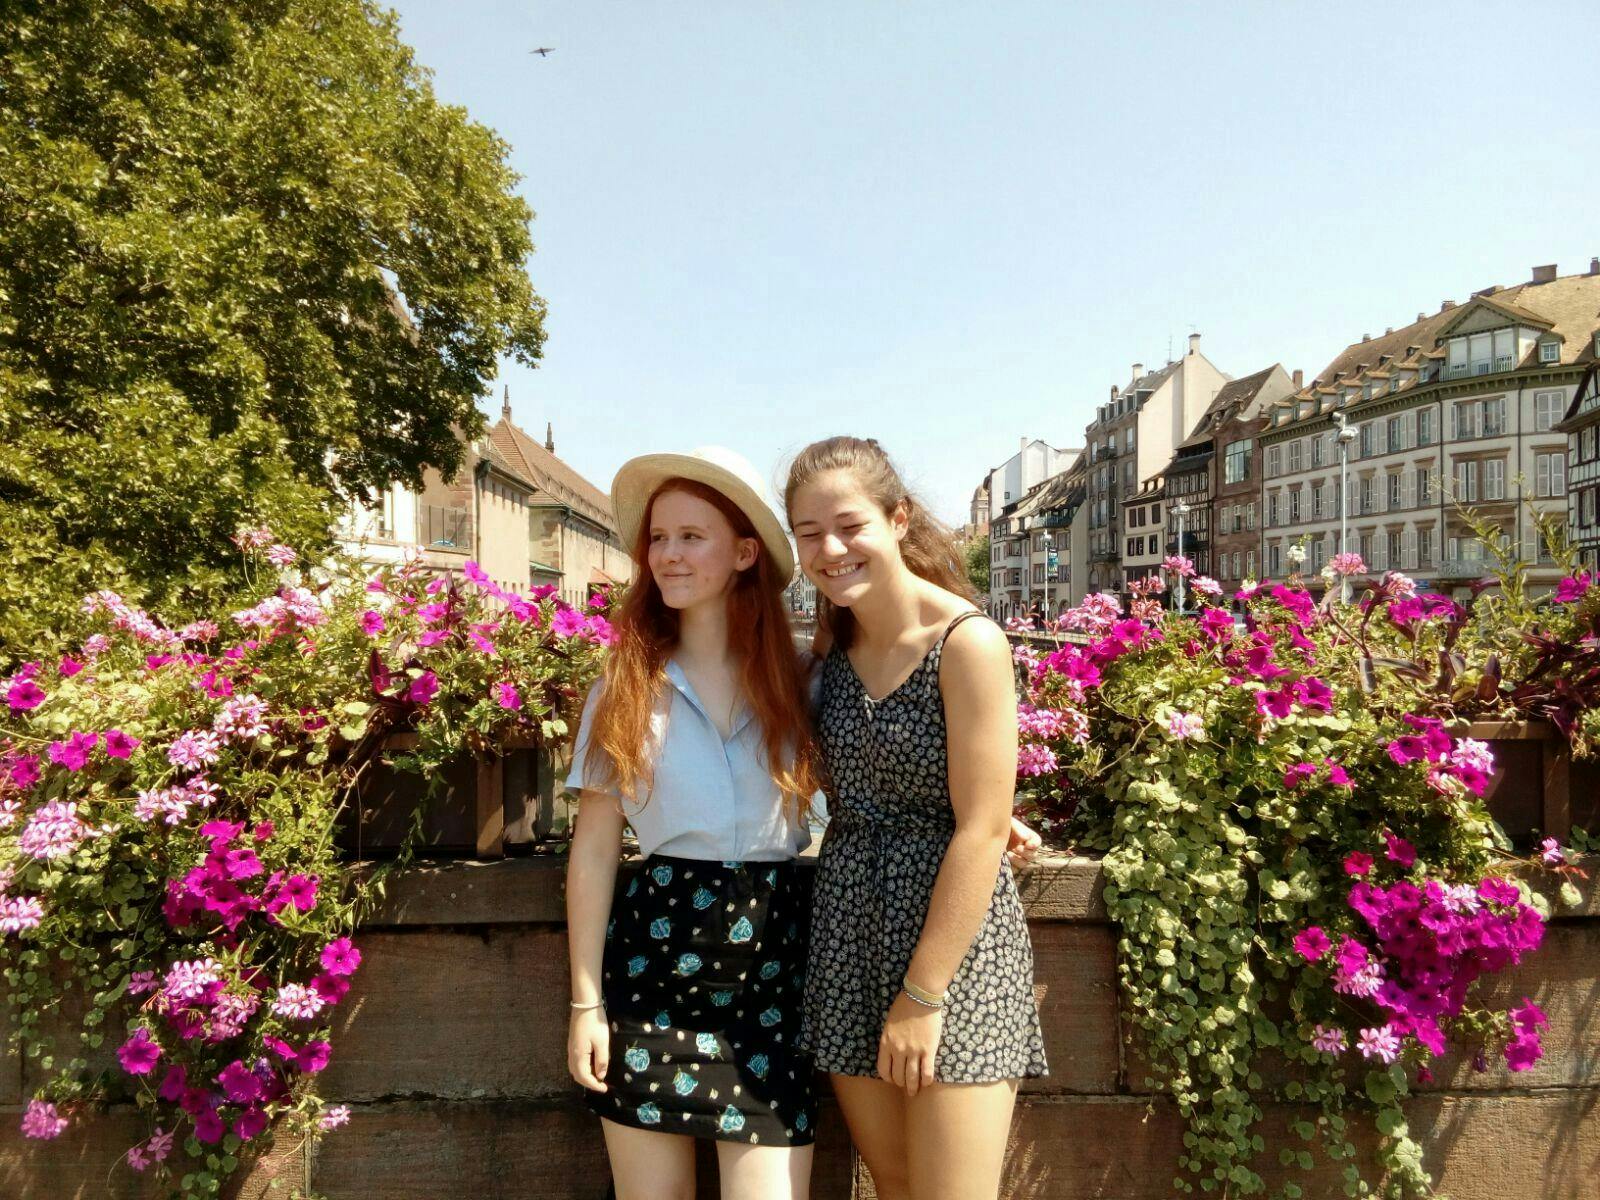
646, 1165
875, 1113
764, 1172
956, 1135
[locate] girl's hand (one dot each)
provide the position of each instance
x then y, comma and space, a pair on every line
589, 1048
1023, 845
909, 1044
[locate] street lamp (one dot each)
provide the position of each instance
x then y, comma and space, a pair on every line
1344, 437
1049, 569
1180, 510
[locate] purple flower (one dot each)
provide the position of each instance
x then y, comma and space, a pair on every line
22, 695
42, 1121
1499, 891
1357, 862
423, 688
1216, 624
1399, 850
1380, 1043
1552, 854
249, 1123
314, 1057
138, 1055
119, 744
507, 697
1311, 944
1274, 703
73, 754
240, 1084
1573, 587
340, 957
372, 623
568, 622
1329, 1039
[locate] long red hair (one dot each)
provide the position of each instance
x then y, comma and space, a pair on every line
760, 639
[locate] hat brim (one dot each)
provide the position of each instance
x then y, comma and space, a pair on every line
638, 479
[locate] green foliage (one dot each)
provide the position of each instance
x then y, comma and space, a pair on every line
211, 217
977, 553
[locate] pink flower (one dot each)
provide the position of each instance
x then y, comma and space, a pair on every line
249, 1124
1184, 726
1399, 850
482, 643
18, 914
1034, 759
73, 754
240, 1084
54, 831
42, 1121
281, 555
475, 573
568, 622
1498, 891
119, 744
1573, 587
372, 623
1311, 944
159, 1145
1178, 565
336, 1116
423, 688
194, 749
1357, 863
22, 695
1204, 585
1328, 1039
1552, 854
68, 667
340, 957
1380, 1043
298, 1002
1274, 703
1347, 564
506, 696
208, 1127
314, 1057
138, 1055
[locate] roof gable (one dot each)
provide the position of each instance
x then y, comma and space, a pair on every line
1488, 312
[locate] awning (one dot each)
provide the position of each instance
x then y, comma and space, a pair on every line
598, 578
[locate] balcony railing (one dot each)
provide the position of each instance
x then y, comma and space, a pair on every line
1464, 568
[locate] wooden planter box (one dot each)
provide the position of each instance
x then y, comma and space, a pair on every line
1538, 788
481, 805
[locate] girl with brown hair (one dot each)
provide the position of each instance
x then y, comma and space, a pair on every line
919, 993
686, 978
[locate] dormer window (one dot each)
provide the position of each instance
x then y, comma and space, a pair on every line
1549, 351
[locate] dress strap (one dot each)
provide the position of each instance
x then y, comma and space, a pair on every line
951, 628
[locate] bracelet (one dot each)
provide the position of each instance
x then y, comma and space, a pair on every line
587, 1007
922, 996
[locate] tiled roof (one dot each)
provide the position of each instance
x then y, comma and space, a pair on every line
554, 478
1568, 307
1235, 392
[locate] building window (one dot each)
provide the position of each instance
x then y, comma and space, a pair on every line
1588, 440
1425, 427
1365, 442
1369, 501
1424, 547
1275, 556
1394, 490
1547, 408
1273, 461
1586, 506
1316, 451
1494, 479
1250, 563
1549, 352
1394, 434
1465, 419
1494, 416
1395, 553
1294, 456
1236, 462
1250, 515
1424, 486
1550, 475
1294, 506
1466, 482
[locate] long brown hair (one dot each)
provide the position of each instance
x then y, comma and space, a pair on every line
759, 637
928, 548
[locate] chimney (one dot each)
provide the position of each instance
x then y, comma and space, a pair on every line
1545, 274
505, 405
1388, 331
1594, 266
1024, 445
1422, 316
1138, 370
1366, 337
1194, 343
1113, 391
1299, 378
549, 437
1446, 305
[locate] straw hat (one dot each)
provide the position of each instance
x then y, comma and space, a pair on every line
718, 468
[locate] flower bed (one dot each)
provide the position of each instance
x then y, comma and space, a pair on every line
1306, 881
169, 805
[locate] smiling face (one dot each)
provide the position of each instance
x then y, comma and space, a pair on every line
846, 542
695, 554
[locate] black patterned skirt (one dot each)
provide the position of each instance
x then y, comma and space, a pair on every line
703, 973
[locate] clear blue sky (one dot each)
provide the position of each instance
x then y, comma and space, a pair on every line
951, 225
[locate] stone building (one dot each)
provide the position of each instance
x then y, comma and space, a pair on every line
1144, 541
1455, 412
1131, 441
1011, 551
572, 539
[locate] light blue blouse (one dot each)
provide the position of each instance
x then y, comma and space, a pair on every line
709, 799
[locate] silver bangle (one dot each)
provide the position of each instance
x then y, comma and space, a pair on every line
587, 1007
915, 999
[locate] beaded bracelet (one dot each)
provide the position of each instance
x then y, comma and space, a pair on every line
922, 996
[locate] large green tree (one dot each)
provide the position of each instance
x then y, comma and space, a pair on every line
250, 266
977, 554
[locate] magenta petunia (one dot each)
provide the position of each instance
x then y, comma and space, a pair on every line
250, 1123
314, 1057
1357, 862
340, 957
1398, 850
119, 744
423, 688
68, 667
1311, 944
208, 1127
372, 623
139, 1054
24, 694
507, 696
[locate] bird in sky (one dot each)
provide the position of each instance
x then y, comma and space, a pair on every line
542, 51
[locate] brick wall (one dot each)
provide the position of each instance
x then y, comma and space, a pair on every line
450, 1051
